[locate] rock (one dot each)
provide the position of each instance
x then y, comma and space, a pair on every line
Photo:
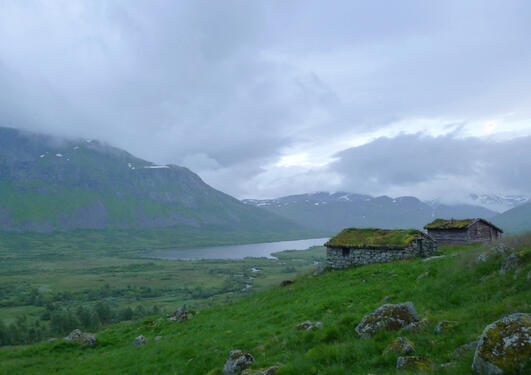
413, 363
429, 259
510, 263
482, 258
309, 325
423, 275
74, 335
157, 338
180, 315
286, 283
400, 346
87, 339
444, 325
237, 362
458, 353
418, 326
264, 371
501, 248
504, 347
389, 317
140, 341
83, 338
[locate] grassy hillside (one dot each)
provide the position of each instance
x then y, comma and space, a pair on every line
456, 288
515, 220
48, 184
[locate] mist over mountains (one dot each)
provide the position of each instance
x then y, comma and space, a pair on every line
335, 211
51, 184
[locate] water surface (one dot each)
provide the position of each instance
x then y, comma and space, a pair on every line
257, 250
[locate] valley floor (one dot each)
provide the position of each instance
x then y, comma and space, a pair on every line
457, 288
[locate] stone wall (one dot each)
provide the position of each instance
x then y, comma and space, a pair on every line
337, 257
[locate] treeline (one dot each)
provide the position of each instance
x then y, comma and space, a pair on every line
59, 321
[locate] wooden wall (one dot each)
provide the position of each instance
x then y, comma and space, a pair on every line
477, 232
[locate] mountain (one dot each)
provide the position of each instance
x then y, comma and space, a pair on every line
515, 220
51, 184
332, 212
499, 203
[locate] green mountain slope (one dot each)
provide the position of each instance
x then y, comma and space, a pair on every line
333, 212
48, 184
457, 288
515, 220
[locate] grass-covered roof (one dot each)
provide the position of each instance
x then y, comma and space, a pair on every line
449, 224
374, 238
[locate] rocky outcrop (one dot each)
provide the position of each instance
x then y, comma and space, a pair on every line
140, 341
237, 362
389, 317
413, 364
309, 325
400, 346
83, 338
505, 346
180, 315
510, 263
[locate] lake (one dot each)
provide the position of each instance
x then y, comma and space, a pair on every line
257, 250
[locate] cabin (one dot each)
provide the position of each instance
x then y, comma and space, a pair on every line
463, 231
359, 246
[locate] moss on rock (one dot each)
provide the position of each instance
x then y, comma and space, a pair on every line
505, 346
389, 317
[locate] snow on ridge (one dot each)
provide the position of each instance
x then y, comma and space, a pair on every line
156, 167
59, 155
41, 156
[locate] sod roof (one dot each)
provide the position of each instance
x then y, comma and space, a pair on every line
374, 238
449, 224
456, 224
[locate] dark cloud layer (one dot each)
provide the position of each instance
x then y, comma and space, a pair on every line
231, 88
444, 163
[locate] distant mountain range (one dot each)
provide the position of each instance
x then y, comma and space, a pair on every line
48, 184
332, 212
515, 220
499, 203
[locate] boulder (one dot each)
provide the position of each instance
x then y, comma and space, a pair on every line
413, 364
180, 315
286, 283
74, 335
389, 317
445, 325
510, 263
83, 338
308, 325
140, 341
504, 347
237, 362
400, 346
157, 338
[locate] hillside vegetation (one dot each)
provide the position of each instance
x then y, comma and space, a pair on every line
49, 184
462, 287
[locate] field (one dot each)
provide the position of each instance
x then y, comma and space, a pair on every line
39, 274
457, 288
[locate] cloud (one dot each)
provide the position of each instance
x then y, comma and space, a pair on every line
442, 166
236, 89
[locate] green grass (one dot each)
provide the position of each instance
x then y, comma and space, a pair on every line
372, 237
454, 288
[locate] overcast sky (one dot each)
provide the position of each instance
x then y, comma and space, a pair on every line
269, 98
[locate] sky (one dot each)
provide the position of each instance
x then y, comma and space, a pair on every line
269, 98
